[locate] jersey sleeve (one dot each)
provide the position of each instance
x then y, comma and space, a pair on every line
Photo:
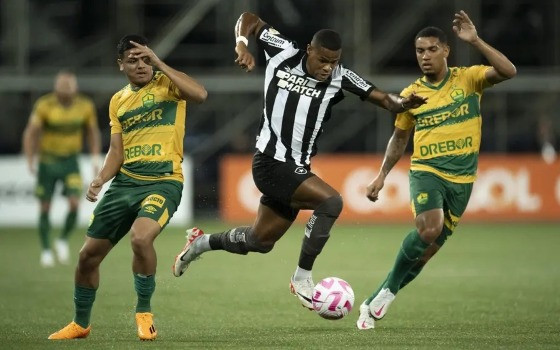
405, 120
116, 126
39, 113
355, 84
476, 76
172, 89
272, 42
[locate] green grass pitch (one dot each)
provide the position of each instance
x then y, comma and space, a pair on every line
493, 286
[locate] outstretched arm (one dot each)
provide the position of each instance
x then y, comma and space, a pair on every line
189, 88
395, 103
502, 68
247, 24
394, 152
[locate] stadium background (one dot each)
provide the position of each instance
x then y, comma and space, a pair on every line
40, 37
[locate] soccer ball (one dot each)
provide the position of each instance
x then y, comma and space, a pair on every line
333, 298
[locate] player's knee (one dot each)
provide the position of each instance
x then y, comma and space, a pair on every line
254, 244
331, 207
87, 261
430, 233
139, 240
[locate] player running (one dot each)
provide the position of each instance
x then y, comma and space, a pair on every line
446, 145
301, 87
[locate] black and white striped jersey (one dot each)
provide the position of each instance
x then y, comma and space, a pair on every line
295, 104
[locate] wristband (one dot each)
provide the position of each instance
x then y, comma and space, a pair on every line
242, 39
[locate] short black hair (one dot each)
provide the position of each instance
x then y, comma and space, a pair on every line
433, 32
327, 38
124, 44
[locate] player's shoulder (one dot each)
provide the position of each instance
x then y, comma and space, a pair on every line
46, 99
272, 37
412, 87
84, 99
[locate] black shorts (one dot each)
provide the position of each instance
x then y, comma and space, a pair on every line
278, 181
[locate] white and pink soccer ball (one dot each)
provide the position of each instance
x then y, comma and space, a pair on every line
333, 298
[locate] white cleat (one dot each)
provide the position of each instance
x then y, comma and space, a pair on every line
365, 321
380, 304
188, 254
47, 258
62, 251
303, 290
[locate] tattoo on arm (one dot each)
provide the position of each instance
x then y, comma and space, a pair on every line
394, 152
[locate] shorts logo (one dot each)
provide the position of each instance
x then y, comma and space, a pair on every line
153, 200
300, 170
150, 209
422, 198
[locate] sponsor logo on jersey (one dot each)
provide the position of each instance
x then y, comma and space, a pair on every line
148, 100
153, 200
142, 150
270, 36
297, 83
300, 170
154, 115
150, 209
441, 117
422, 198
356, 80
442, 147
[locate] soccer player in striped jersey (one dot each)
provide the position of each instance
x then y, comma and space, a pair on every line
55, 129
144, 160
301, 87
446, 145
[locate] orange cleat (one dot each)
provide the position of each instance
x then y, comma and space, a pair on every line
146, 328
72, 331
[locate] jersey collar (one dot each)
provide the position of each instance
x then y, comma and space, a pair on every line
438, 86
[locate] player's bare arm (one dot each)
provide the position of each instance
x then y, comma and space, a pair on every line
395, 150
395, 103
502, 68
94, 143
111, 166
31, 136
248, 24
190, 89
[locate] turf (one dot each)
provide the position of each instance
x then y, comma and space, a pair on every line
493, 286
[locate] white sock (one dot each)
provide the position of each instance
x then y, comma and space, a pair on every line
301, 274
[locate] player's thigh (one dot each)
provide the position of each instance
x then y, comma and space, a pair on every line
311, 193
70, 175
114, 214
46, 181
159, 201
456, 199
270, 225
426, 192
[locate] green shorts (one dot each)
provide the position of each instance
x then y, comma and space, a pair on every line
127, 199
429, 191
53, 169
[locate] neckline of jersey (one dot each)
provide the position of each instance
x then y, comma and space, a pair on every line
438, 86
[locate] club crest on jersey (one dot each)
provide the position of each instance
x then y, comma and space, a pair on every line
422, 198
300, 170
148, 100
457, 95
296, 83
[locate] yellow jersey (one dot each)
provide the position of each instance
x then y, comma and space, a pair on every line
62, 126
151, 120
448, 127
